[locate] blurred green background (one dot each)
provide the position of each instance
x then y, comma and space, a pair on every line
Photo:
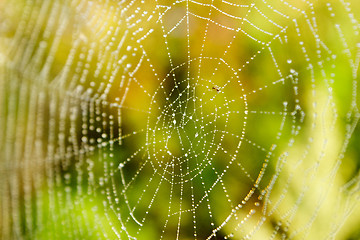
179, 119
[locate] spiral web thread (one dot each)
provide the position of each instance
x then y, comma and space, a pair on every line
179, 119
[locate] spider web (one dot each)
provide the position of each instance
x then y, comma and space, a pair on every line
179, 119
